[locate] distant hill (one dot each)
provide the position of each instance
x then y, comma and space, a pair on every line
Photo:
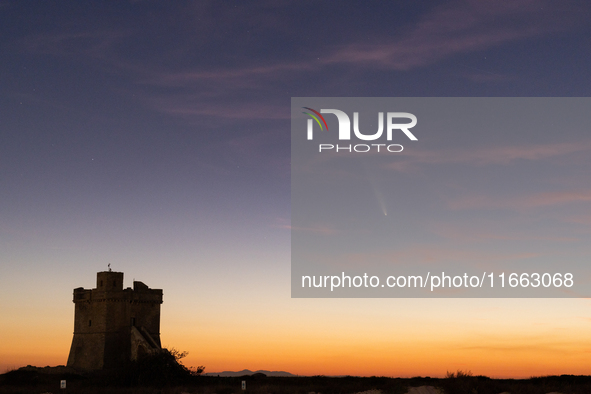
249, 372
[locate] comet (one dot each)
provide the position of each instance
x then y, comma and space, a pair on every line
376, 191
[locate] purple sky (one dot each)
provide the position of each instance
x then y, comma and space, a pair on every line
155, 135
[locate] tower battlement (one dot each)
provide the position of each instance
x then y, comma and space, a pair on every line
113, 325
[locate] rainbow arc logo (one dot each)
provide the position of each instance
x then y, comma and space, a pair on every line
316, 117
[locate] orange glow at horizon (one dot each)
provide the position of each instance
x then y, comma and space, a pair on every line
519, 341
400, 360
496, 338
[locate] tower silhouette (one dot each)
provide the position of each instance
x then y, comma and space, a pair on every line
112, 325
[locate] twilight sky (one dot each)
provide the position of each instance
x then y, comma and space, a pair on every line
155, 136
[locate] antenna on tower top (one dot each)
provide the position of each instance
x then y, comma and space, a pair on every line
109, 265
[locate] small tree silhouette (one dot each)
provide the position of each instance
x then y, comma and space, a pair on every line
196, 371
164, 368
460, 382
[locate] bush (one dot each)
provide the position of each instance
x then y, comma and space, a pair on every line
163, 368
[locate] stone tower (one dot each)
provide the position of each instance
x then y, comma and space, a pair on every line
113, 325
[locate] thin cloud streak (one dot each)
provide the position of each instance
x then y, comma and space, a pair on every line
426, 254
448, 30
315, 229
502, 155
537, 346
581, 219
519, 203
477, 234
93, 44
264, 72
459, 27
195, 106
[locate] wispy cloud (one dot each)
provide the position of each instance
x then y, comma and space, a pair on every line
316, 229
535, 344
501, 155
580, 219
241, 86
233, 74
192, 105
411, 159
321, 229
521, 202
94, 44
429, 255
459, 27
482, 77
479, 233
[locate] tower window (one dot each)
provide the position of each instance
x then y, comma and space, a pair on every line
89, 323
101, 283
133, 321
113, 283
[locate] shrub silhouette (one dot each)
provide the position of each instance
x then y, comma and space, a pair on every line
163, 368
